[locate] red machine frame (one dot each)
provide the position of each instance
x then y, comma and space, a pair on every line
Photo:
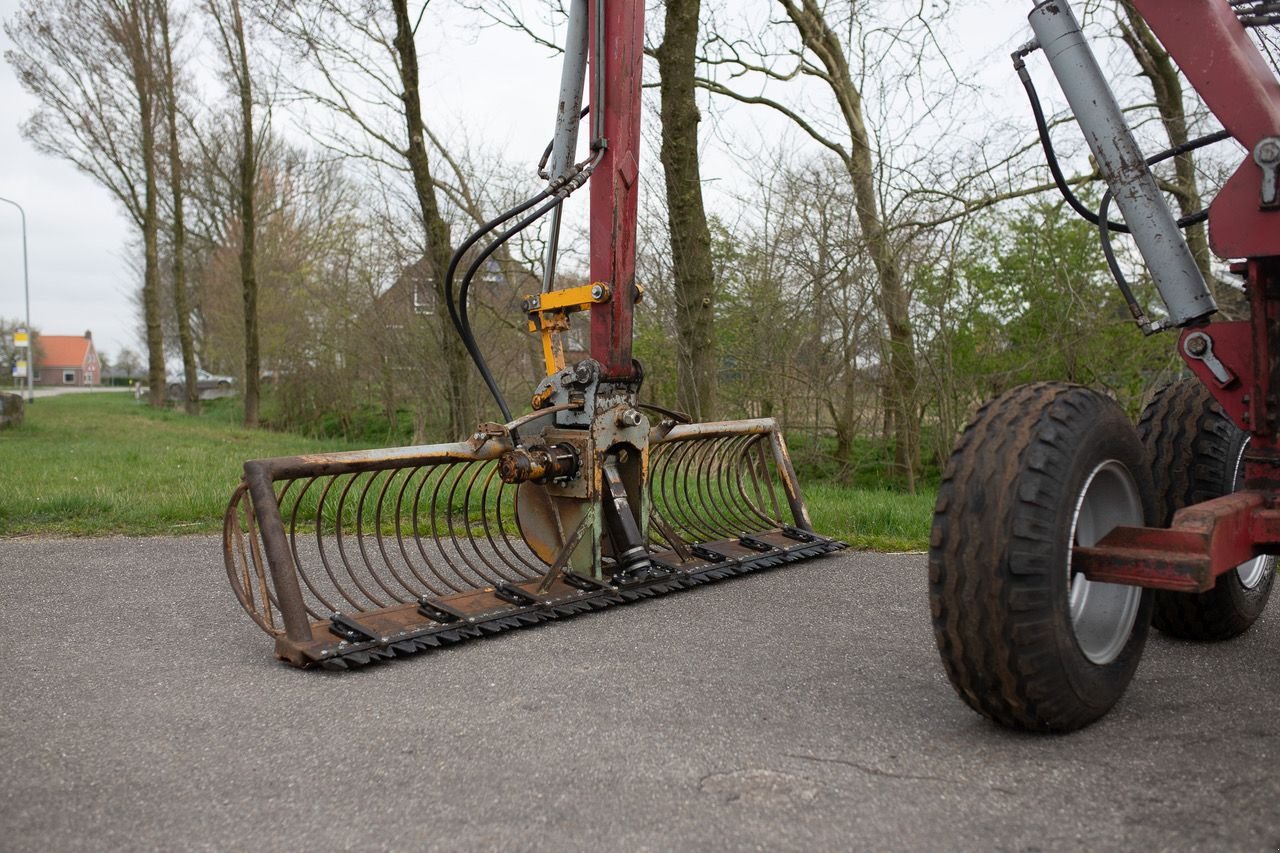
1206, 540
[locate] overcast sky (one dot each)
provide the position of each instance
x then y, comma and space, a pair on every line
494, 84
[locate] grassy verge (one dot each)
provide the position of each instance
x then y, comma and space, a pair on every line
97, 464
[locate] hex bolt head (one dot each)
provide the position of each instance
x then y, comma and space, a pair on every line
1197, 345
630, 418
1268, 151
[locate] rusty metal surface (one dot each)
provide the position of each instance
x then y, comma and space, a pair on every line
1206, 540
391, 539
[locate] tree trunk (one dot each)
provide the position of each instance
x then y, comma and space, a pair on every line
144, 85
439, 250
894, 300
191, 397
687, 218
248, 219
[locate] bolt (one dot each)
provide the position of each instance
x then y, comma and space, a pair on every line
597, 291
630, 418
1197, 345
1268, 151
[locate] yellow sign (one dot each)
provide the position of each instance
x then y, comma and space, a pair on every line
20, 370
21, 339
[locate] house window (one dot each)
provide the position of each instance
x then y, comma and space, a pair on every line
68, 377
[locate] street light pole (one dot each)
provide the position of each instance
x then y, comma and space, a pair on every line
26, 291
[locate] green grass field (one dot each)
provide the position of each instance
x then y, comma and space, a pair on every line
102, 464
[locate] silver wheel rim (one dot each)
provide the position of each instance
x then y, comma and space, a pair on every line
1250, 572
1103, 614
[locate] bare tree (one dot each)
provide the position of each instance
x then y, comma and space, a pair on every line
687, 218
364, 72
229, 24
822, 56
92, 66
168, 87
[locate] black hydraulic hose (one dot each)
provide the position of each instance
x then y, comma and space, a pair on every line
464, 323
462, 329
558, 190
546, 152
1051, 157
561, 188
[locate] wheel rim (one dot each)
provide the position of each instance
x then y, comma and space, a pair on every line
1103, 614
1250, 572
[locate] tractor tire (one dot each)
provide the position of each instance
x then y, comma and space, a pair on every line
1026, 642
1196, 455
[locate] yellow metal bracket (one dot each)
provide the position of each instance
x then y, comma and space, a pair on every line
549, 317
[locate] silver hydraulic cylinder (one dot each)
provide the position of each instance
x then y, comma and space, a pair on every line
564, 143
1148, 217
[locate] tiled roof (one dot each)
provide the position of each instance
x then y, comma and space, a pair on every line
64, 350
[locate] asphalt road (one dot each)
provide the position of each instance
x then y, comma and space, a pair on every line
798, 709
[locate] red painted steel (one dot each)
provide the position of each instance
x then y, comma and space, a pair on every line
1205, 541
615, 186
1215, 53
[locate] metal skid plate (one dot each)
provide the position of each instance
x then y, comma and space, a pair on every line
349, 558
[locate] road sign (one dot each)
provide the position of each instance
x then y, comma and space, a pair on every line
21, 339
20, 370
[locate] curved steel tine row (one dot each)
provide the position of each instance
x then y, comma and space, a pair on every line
376, 539
713, 487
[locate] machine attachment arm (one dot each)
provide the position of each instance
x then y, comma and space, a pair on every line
1121, 161
615, 187
1215, 53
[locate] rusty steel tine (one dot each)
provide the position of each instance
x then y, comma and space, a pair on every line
706, 502
746, 476
734, 498
382, 544
769, 475
535, 568
726, 449
341, 536
566, 551
369, 482
297, 560
658, 458
668, 472
756, 469
526, 567
679, 491
417, 535
485, 579
764, 468
449, 496
231, 533
324, 552
506, 569
404, 551
731, 498
255, 550
506, 572
255, 553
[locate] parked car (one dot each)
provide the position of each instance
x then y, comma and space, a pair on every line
208, 384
